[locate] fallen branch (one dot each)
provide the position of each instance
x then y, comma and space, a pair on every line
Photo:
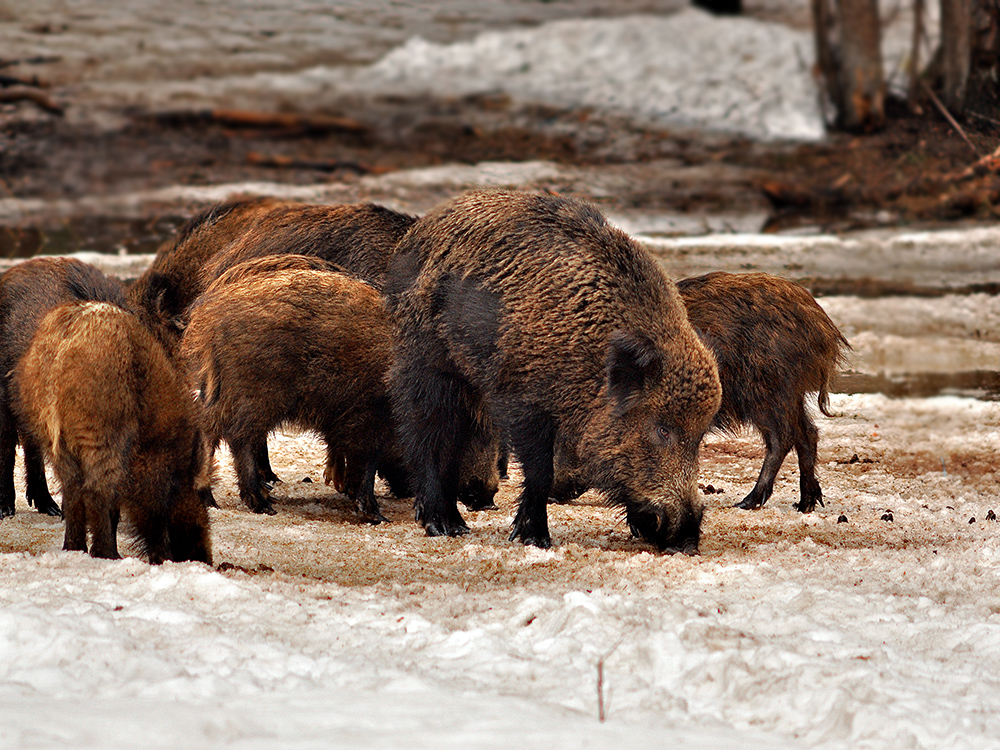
291, 162
18, 94
986, 165
948, 117
35, 81
262, 120
38, 60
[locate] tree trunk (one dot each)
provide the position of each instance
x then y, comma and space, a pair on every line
850, 60
913, 67
983, 90
956, 52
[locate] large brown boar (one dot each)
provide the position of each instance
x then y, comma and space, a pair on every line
359, 238
300, 347
171, 283
28, 291
530, 317
773, 344
99, 395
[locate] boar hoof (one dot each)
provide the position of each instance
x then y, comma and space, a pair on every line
445, 528
6, 510
808, 504
809, 495
50, 509
268, 477
263, 506
750, 502
540, 539
479, 504
542, 542
441, 522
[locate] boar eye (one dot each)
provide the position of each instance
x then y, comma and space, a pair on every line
666, 435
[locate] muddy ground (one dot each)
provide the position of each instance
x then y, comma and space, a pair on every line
907, 175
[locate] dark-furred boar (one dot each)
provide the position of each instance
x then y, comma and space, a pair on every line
358, 237
98, 394
773, 344
163, 293
28, 291
299, 347
528, 316
248, 270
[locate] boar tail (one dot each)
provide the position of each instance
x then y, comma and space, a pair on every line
823, 401
840, 359
209, 384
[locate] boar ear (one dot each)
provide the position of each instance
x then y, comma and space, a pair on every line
162, 298
632, 363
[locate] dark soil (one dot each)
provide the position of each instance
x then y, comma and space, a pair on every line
909, 173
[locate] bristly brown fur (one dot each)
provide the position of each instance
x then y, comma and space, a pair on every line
531, 315
28, 291
774, 344
98, 394
359, 238
302, 347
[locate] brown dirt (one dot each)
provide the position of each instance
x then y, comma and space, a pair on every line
902, 175
317, 534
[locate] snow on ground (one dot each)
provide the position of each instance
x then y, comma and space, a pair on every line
683, 70
788, 631
688, 70
315, 630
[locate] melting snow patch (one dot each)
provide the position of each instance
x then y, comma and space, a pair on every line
689, 70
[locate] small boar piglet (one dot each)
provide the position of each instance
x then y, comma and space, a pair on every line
774, 345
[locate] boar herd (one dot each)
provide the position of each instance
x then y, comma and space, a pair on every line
419, 349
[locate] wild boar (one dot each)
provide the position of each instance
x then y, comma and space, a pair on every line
163, 293
97, 393
300, 347
774, 345
529, 317
389, 464
28, 291
360, 238
357, 237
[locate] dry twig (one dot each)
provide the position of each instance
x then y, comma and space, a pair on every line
949, 118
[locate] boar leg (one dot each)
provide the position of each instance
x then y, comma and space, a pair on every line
8, 444
534, 443
267, 475
777, 445
151, 528
503, 459
75, 515
37, 488
203, 485
434, 420
360, 481
188, 531
335, 472
436, 505
251, 491
806, 447
102, 517
395, 475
